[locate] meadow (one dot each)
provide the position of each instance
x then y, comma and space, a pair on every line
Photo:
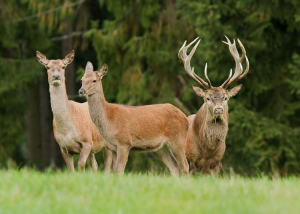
28, 191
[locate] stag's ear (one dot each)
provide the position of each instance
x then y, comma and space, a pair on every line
41, 58
232, 92
89, 67
69, 57
199, 91
103, 71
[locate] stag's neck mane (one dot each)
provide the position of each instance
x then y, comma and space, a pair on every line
207, 127
98, 109
59, 105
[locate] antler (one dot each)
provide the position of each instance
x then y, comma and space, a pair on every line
238, 73
186, 59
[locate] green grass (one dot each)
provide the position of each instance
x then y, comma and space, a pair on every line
61, 192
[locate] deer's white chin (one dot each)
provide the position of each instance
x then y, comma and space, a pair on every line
56, 82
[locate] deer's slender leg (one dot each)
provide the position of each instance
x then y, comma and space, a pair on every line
114, 155
177, 148
167, 158
68, 159
84, 154
108, 161
92, 162
122, 157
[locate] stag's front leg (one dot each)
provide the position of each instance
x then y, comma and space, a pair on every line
122, 157
68, 159
216, 169
212, 167
84, 154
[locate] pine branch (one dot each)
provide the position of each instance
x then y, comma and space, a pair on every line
26, 18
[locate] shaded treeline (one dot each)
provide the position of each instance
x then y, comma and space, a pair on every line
139, 41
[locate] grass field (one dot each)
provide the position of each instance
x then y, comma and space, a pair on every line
61, 192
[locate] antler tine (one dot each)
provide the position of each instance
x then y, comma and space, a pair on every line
186, 59
226, 81
180, 53
206, 77
238, 73
247, 69
183, 49
243, 50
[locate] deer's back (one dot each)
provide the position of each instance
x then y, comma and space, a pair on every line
148, 122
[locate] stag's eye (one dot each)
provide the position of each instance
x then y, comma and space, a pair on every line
208, 98
47, 67
63, 67
94, 81
225, 98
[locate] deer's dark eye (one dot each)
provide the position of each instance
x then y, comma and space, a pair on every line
47, 67
225, 98
63, 67
94, 81
208, 98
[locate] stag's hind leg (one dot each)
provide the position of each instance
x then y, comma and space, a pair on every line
167, 158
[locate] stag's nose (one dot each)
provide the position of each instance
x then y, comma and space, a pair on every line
81, 91
218, 110
56, 76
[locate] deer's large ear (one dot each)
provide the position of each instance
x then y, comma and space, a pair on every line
199, 91
232, 92
89, 67
41, 58
69, 57
103, 71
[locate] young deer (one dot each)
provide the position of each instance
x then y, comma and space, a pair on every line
160, 128
205, 143
73, 128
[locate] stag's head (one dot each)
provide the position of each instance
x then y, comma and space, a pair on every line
216, 98
55, 68
91, 79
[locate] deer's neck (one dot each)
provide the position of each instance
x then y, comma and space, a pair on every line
214, 131
59, 106
98, 110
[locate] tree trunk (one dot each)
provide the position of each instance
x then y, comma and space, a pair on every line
67, 46
33, 128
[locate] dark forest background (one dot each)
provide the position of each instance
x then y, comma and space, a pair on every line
139, 40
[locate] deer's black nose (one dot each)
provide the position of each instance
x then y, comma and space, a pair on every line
218, 110
81, 91
56, 76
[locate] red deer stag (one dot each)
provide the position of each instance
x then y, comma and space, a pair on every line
73, 128
205, 143
160, 128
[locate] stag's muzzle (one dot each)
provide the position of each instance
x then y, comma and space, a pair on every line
218, 111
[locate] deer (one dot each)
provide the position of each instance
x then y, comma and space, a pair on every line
159, 128
205, 143
73, 128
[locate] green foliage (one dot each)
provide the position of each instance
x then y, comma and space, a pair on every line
62, 192
141, 51
17, 76
140, 40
